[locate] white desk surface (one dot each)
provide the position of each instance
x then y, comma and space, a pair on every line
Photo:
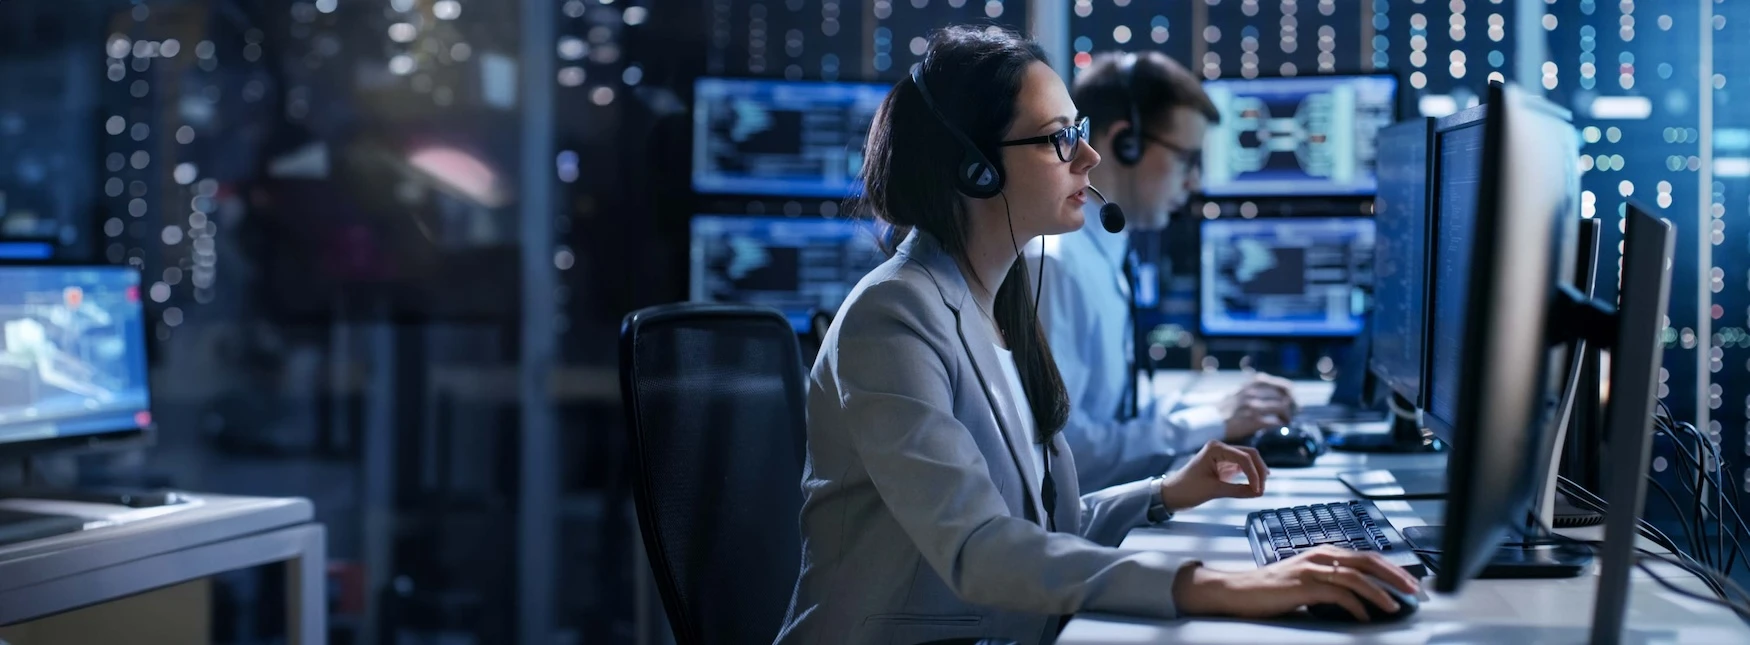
124, 551
1190, 388
1485, 611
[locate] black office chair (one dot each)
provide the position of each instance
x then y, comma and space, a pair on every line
715, 398
819, 320
716, 406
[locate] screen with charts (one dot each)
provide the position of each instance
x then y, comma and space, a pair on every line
792, 264
1285, 277
1296, 136
72, 352
1460, 159
1400, 213
785, 138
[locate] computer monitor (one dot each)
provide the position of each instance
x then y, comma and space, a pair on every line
1285, 277
1400, 214
1521, 255
1458, 168
1296, 136
26, 250
1582, 456
793, 264
1635, 356
72, 358
782, 138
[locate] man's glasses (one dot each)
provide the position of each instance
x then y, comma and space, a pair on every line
1067, 141
1189, 159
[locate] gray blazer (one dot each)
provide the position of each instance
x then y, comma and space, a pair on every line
917, 523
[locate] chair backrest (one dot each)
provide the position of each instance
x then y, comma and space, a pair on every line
819, 320
715, 403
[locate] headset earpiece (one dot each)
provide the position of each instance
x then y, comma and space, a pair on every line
1127, 141
1126, 146
977, 177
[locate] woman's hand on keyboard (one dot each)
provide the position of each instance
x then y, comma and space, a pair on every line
1211, 473
1305, 579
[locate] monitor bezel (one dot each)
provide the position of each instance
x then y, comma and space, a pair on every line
1398, 111
105, 440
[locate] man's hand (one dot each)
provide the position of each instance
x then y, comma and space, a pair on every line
1210, 474
1266, 402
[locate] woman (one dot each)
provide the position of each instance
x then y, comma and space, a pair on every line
939, 499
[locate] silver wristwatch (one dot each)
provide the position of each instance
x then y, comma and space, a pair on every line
1157, 508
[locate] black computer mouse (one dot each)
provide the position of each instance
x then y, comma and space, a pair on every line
1407, 604
1288, 446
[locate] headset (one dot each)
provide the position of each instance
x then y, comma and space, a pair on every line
1127, 141
975, 176
978, 178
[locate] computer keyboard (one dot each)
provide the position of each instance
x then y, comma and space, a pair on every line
19, 526
1281, 533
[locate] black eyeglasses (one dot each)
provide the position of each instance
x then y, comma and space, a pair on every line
1192, 159
1067, 141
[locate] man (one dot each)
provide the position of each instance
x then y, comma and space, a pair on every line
1148, 116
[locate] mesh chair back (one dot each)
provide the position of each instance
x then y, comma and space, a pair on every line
715, 402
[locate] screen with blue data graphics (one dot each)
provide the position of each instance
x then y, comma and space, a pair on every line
1285, 277
72, 352
781, 138
793, 264
1296, 136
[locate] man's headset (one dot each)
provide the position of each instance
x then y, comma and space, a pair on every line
1127, 141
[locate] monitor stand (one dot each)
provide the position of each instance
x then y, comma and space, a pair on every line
1536, 557
1512, 560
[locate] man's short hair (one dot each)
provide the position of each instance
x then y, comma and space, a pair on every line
1159, 84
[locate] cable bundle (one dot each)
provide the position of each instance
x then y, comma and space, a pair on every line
1713, 566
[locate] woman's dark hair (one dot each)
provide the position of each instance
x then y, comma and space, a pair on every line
908, 180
